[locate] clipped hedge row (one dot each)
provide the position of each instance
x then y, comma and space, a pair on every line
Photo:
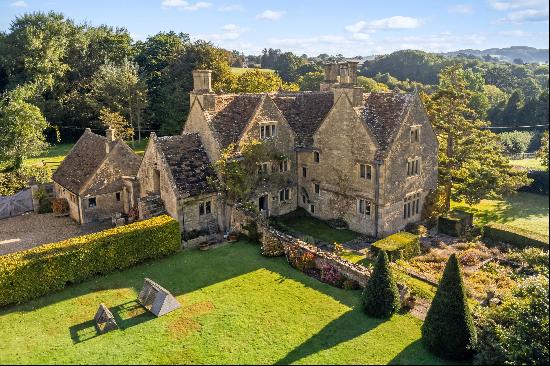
402, 245
35, 272
518, 237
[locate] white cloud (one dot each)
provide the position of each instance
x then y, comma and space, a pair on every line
514, 33
19, 4
270, 15
527, 15
231, 7
395, 22
356, 27
230, 32
461, 9
361, 36
184, 5
519, 11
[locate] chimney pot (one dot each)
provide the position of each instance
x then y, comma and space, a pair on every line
110, 134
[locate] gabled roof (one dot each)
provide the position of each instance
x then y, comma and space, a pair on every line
304, 112
121, 161
188, 163
231, 115
383, 113
82, 162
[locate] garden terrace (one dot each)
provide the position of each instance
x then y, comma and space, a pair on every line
300, 224
214, 324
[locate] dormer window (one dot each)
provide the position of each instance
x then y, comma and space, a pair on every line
268, 130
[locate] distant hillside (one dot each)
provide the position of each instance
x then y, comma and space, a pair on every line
527, 54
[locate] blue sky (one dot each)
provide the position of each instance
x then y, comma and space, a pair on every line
350, 27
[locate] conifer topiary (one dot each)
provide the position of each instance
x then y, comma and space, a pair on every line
381, 297
448, 330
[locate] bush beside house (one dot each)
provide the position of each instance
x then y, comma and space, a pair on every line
35, 272
402, 245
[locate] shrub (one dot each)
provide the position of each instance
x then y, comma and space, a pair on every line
44, 202
381, 297
35, 272
535, 259
472, 257
60, 206
330, 275
416, 229
14, 181
251, 228
517, 237
305, 262
448, 330
401, 245
455, 223
350, 285
516, 331
271, 245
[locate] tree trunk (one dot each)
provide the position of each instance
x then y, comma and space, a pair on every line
449, 180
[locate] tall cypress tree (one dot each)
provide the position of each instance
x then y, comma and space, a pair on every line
381, 297
449, 330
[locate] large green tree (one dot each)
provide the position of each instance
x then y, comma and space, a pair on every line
472, 165
380, 297
120, 89
22, 127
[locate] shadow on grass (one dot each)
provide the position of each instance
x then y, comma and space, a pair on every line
416, 351
126, 315
349, 326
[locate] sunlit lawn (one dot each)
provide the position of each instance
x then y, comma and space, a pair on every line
533, 164
237, 307
525, 210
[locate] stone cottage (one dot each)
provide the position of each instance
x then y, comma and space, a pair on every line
176, 170
367, 158
96, 177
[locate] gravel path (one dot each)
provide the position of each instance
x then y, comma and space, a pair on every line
31, 230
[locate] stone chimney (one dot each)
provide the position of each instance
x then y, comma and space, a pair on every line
110, 135
331, 76
202, 81
202, 89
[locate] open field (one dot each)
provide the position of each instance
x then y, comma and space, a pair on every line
237, 307
525, 210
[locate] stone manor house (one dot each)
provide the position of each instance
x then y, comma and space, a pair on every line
369, 158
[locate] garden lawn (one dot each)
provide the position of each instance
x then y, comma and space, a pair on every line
525, 210
237, 307
308, 225
531, 164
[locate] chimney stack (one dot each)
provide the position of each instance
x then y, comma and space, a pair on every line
202, 81
110, 134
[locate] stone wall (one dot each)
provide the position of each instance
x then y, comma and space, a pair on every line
277, 243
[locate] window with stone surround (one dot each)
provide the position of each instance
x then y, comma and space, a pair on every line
415, 134
284, 195
316, 157
312, 208
117, 196
304, 171
411, 205
363, 207
317, 188
268, 130
365, 171
413, 166
283, 165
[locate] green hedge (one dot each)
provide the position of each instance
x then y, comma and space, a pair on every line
518, 237
402, 245
455, 223
35, 272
